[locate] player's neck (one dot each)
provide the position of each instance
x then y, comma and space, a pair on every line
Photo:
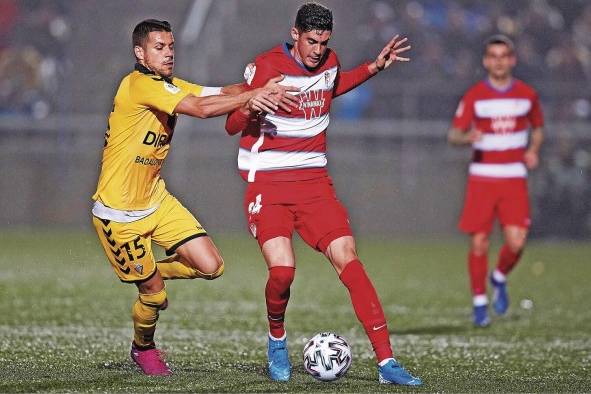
295, 54
500, 83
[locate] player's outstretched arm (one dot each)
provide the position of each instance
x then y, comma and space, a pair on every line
270, 97
234, 89
238, 120
390, 54
348, 80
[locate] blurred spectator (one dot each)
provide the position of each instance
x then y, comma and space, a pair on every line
553, 44
33, 44
9, 12
20, 82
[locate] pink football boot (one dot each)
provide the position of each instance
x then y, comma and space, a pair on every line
150, 361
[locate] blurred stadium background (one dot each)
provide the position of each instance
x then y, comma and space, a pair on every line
61, 61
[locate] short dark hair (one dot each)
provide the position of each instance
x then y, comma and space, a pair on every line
313, 16
499, 39
141, 31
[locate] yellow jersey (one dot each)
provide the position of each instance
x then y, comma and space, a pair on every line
137, 140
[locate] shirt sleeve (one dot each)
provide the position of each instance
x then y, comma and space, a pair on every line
535, 115
210, 91
262, 72
237, 122
154, 92
194, 89
348, 80
464, 115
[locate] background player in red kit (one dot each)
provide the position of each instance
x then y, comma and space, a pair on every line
495, 116
282, 156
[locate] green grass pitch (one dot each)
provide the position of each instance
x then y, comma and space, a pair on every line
65, 320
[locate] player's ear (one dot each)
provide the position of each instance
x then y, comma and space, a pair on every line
295, 33
138, 52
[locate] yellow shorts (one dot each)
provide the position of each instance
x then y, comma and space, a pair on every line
129, 245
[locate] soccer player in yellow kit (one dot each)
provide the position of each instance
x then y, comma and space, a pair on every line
132, 207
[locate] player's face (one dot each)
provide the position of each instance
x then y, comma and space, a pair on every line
158, 53
310, 46
499, 61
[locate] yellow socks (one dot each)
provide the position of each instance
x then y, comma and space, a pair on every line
145, 315
173, 268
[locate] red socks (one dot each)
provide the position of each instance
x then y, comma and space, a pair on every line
367, 308
277, 296
477, 267
507, 260
363, 296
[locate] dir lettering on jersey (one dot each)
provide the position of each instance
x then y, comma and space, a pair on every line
311, 103
155, 140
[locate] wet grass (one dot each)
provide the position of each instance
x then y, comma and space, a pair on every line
65, 320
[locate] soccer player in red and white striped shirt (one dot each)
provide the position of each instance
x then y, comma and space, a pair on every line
502, 119
282, 156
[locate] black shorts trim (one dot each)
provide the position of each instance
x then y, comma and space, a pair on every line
172, 250
136, 281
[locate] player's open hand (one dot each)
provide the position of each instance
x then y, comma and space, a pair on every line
263, 101
286, 99
391, 53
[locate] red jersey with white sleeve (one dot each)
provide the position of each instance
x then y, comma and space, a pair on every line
291, 146
505, 118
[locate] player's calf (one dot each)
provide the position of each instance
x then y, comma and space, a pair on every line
177, 268
145, 313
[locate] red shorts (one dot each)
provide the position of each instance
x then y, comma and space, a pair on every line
487, 198
310, 207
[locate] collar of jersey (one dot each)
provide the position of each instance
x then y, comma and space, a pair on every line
505, 90
144, 70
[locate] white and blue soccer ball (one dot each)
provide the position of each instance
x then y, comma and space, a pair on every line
327, 356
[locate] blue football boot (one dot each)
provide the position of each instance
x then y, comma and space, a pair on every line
279, 366
500, 297
394, 373
481, 316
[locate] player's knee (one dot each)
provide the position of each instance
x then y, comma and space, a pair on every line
218, 272
211, 274
480, 245
155, 300
281, 276
516, 245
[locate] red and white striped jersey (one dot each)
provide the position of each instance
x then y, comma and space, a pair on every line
291, 146
505, 118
